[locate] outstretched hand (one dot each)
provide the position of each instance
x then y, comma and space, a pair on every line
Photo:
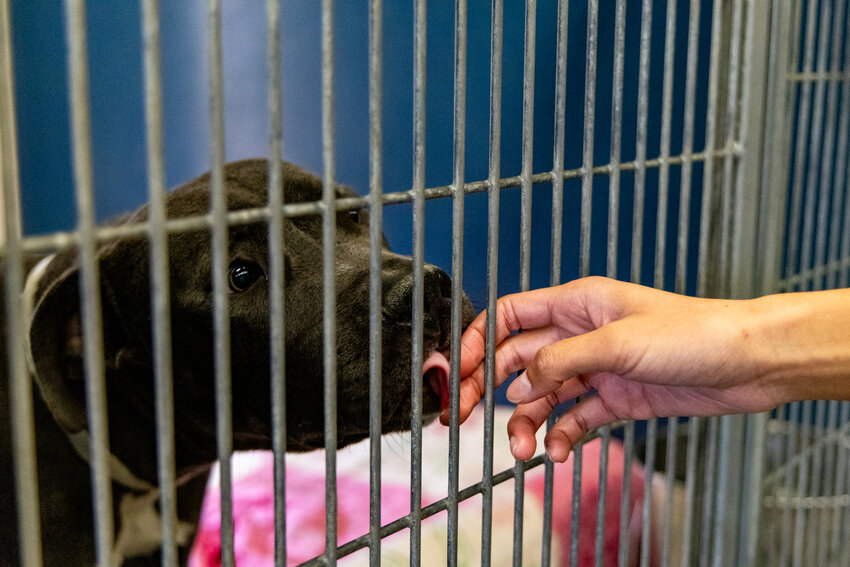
639, 353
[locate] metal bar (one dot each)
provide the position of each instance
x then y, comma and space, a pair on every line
458, 197
814, 191
556, 239
646, 519
790, 449
90, 279
666, 119
802, 484
831, 473
840, 166
584, 253
329, 280
687, 146
817, 478
440, 505
63, 240
690, 489
803, 117
20, 383
828, 150
221, 309
625, 496
159, 274
277, 260
709, 491
376, 211
774, 172
710, 143
670, 477
492, 273
838, 533
525, 228
419, 53
640, 145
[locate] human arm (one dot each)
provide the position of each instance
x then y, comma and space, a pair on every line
648, 353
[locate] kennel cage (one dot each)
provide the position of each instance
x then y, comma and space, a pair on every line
724, 174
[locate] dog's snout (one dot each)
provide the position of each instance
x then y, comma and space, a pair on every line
398, 293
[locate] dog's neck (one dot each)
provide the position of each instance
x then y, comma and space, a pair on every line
80, 440
140, 522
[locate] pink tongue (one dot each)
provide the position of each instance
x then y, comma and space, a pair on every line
436, 370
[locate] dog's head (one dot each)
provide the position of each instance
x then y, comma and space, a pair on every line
124, 266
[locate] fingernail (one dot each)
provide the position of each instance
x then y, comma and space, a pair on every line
514, 442
519, 389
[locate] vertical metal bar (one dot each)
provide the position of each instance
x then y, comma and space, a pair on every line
613, 223
690, 489
664, 165
221, 308
277, 260
584, 254
710, 147
458, 198
329, 279
802, 484
772, 220
20, 383
159, 273
556, 238
90, 279
637, 250
817, 478
838, 527
640, 144
708, 491
587, 144
821, 271
420, 42
814, 191
831, 472
669, 478
841, 148
525, 230
492, 274
803, 118
376, 210
687, 146
841, 177
792, 425
646, 520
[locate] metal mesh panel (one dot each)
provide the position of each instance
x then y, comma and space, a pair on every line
725, 175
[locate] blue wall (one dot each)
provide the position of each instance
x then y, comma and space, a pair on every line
118, 119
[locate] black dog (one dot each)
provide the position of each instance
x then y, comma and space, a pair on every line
55, 339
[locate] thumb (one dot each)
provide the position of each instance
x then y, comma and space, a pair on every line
554, 364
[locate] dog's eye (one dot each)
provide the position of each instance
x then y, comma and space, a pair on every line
243, 274
354, 215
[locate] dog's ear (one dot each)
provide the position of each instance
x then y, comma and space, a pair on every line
56, 337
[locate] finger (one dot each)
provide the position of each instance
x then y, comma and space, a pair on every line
528, 418
511, 355
553, 364
588, 414
528, 310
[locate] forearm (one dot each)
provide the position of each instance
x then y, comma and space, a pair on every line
805, 344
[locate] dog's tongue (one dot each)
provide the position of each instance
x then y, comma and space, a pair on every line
436, 370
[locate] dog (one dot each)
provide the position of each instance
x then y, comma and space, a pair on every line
55, 345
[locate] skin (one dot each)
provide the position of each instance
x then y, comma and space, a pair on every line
641, 353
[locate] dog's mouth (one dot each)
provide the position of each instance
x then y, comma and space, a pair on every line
435, 373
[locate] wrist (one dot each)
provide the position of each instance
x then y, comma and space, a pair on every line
804, 346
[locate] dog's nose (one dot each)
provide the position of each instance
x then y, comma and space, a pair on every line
398, 295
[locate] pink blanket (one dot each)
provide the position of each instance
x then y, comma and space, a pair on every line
253, 503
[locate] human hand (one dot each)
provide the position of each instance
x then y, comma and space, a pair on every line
646, 353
